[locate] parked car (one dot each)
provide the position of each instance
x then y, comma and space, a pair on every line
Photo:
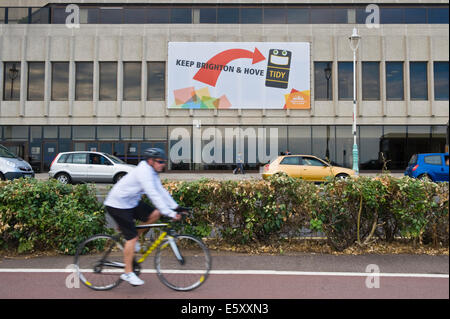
75, 167
12, 166
308, 167
432, 165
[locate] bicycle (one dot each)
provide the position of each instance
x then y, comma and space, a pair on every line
182, 262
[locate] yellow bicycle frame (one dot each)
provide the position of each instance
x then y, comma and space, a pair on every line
153, 247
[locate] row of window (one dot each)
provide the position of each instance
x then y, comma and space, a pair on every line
84, 81
393, 143
395, 81
245, 14
132, 86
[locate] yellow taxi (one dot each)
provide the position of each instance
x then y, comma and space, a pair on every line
308, 167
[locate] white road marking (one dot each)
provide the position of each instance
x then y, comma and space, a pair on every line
243, 272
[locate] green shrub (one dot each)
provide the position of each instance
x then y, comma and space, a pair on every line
46, 215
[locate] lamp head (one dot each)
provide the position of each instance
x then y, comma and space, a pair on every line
354, 39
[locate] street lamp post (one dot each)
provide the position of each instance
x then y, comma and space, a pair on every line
354, 43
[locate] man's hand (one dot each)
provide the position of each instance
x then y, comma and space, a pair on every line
177, 218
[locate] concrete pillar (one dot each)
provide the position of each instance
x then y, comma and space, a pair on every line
23, 77
96, 79
71, 76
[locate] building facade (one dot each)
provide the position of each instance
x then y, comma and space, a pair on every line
94, 77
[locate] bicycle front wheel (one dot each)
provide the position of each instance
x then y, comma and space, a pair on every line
182, 262
99, 262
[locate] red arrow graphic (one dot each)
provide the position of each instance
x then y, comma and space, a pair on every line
211, 71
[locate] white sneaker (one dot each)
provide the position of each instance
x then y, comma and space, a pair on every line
132, 279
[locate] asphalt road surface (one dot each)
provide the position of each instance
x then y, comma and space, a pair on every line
239, 276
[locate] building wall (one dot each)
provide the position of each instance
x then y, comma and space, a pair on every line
48, 43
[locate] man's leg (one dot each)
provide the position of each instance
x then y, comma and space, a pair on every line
128, 254
153, 218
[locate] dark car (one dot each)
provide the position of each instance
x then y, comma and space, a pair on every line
432, 165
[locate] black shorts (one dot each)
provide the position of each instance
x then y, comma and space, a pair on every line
125, 218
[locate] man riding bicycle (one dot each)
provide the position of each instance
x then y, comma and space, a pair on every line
125, 205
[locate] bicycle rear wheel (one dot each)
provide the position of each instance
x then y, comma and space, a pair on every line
186, 271
99, 262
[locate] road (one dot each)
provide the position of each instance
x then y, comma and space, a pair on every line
239, 276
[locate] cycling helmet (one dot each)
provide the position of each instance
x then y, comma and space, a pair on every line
154, 153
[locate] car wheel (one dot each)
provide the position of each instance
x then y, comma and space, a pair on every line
424, 177
342, 176
63, 178
118, 177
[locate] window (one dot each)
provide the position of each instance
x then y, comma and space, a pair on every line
341, 15
60, 81
108, 81
78, 158
89, 15
298, 15
63, 158
321, 15
251, 15
394, 81
36, 80
83, 81
311, 161
433, 160
228, 15
323, 81
441, 81
415, 15
369, 145
110, 15
418, 80
208, 15
181, 15
371, 81
17, 15
11, 81
2, 15
392, 15
108, 132
156, 81
274, 15
40, 15
158, 15
438, 15
345, 80
291, 160
132, 81
135, 15
97, 159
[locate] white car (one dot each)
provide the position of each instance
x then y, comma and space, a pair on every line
76, 167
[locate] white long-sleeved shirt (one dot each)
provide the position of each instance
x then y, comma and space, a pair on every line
143, 179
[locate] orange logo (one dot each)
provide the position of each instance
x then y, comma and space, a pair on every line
298, 100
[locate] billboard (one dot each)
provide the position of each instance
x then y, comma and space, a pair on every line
232, 75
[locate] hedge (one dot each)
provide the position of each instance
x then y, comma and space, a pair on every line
45, 215
352, 211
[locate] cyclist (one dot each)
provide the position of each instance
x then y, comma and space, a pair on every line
125, 205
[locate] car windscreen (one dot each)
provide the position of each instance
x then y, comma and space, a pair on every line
115, 159
413, 160
5, 153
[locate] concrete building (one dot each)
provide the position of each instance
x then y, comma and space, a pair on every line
103, 85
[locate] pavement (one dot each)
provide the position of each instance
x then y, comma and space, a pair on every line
191, 176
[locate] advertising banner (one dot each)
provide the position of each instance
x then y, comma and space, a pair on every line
232, 75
